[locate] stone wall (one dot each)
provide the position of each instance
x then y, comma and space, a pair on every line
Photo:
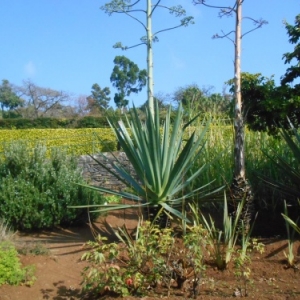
97, 175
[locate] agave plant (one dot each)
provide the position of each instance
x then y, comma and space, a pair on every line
162, 159
291, 223
222, 242
289, 170
290, 236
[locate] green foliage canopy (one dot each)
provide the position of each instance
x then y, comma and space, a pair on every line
202, 100
265, 105
8, 98
292, 72
36, 189
127, 78
100, 96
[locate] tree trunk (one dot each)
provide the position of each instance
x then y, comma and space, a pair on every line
150, 58
240, 187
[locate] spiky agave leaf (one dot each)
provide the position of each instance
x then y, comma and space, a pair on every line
161, 161
288, 169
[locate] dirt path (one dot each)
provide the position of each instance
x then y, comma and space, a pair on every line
58, 272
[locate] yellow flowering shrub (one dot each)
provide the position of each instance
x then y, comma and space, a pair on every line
75, 141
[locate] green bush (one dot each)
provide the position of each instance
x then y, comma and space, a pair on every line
84, 122
36, 190
92, 122
136, 265
11, 271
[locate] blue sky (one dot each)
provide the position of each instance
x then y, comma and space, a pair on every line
67, 44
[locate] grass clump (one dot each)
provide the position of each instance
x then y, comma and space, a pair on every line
5, 232
34, 248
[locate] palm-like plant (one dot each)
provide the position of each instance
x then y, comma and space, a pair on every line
162, 159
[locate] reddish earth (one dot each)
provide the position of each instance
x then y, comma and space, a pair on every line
59, 272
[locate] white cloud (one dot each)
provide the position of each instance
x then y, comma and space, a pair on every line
193, 10
177, 62
30, 69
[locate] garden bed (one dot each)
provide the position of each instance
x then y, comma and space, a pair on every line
58, 272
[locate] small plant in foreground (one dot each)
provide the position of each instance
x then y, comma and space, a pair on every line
195, 242
11, 271
153, 258
222, 243
126, 268
103, 275
290, 257
242, 263
37, 248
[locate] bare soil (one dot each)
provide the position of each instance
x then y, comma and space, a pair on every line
58, 273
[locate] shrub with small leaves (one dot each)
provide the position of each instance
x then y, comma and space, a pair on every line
36, 189
11, 271
103, 274
150, 258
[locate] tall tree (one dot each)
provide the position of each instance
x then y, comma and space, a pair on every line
8, 98
190, 96
61, 111
81, 105
197, 100
292, 72
256, 91
100, 96
240, 187
148, 9
161, 100
127, 78
38, 100
267, 106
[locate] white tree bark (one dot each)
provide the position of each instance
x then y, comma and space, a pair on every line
239, 138
150, 84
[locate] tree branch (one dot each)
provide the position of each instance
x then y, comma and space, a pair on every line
120, 46
184, 22
133, 4
136, 19
259, 23
157, 4
213, 6
225, 35
122, 9
178, 11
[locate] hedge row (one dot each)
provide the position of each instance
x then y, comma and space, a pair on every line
73, 141
43, 123
85, 122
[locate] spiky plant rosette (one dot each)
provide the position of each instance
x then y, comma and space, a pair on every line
290, 170
162, 159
